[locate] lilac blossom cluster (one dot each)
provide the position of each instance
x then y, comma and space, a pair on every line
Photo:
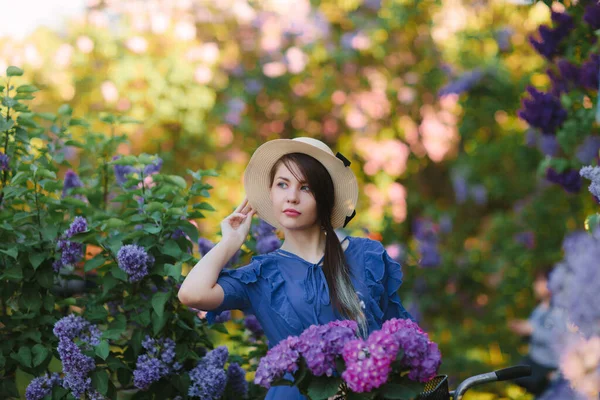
464, 83
71, 182
593, 174
542, 111
426, 234
266, 238
463, 190
4, 162
223, 317
156, 363
122, 172
569, 179
209, 378
135, 261
549, 38
70, 252
41, 387
251, 323
76, 365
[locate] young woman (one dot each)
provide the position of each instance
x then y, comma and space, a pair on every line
303, 189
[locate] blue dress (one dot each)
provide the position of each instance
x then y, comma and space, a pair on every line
288, 294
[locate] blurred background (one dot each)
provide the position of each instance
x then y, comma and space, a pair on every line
421, 95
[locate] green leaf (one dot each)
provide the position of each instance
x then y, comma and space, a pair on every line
6, 125
30, 299
24, 96
173, 271
94, 263
65, 110
103, 349
190, 230
108, 282
14, 71
171, 248
12, 252
45, 276
46, 116
119, 273
108, 118
204, 206
27, 122
592, 222
23, 356
158, 302
96, 313
100, 381
79, 122
323, 387
14, 272
36, 259
176, 180
39, 354
158, 322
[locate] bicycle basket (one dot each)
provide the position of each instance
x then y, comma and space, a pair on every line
436, 389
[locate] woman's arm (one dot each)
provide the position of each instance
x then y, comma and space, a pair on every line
200, 289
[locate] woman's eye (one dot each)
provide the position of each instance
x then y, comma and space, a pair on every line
305, 187
280, 184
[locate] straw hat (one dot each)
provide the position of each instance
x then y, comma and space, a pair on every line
257, 182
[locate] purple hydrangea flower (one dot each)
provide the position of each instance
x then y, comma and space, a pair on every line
570, 179
267, 244
592, 16
157, 363
208, 376
593, 174
4, 162
236, 379
223, 317
321, 344
41, 387
134, 260
589, 72
71, 181
251, 323
71, 252
280, 359
542, 111
464, 83
366, 371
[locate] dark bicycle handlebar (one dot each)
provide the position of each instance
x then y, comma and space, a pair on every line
518, 371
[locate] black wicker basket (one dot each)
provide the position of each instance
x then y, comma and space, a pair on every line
436, 389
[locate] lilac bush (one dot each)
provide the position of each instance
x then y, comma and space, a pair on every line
157, 363
135, 261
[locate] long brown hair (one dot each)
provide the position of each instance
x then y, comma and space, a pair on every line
335, 267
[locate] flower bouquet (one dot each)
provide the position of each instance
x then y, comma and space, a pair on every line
330, 360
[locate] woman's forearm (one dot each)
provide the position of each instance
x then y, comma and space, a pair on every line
200, 281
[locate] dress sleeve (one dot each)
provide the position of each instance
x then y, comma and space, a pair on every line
235, 284
387, 272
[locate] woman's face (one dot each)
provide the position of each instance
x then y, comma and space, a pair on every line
293, 203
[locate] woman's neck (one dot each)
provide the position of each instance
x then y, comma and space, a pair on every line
308, 244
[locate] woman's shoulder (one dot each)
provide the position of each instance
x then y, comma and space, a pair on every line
366, 243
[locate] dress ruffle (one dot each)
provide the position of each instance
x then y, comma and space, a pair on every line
384, 277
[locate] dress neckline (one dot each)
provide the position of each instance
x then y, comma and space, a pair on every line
293, 255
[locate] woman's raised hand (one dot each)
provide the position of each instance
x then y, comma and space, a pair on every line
237, 225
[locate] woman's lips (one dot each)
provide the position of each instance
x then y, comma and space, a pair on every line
290, 213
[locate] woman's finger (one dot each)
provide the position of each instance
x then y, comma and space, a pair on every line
242, 205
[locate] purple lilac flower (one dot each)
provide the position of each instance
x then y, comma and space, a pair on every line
569, 179
205, 245
464, 83
588, 150
461, 187
74, 327
479, 194
71, 252
236, 379
223, 317
134, 260
425, 233
208, 376
71, 181
122, 172
592, 16
569, 71
267, 244
559, 85
262, 228
76, 367
251, 323
41, 387
542, 111
4, 162
153, 168
280, 359
526, 238
551, 38
503, 38
320, 344
157, 363
548, 145
364, 370
593, 174
589, 72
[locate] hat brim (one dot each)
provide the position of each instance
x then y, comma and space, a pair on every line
257, 179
